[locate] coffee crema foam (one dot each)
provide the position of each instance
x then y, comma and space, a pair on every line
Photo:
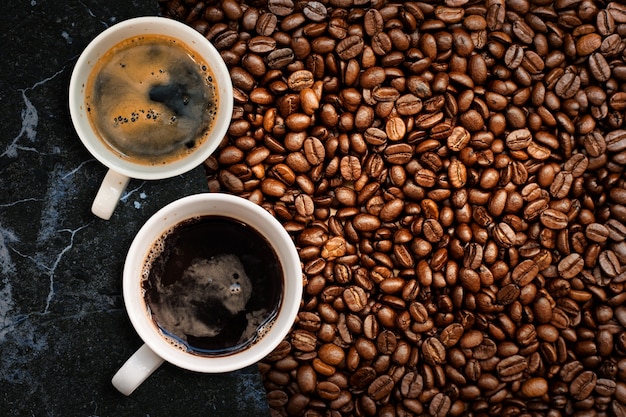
151, 99
170, 305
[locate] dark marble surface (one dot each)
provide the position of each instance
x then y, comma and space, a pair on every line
63, 328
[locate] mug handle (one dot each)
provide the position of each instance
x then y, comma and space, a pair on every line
109, 194
136, 369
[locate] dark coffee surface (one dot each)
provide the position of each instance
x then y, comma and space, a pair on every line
151, 99
212, 285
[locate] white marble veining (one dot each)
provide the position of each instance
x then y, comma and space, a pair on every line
6, 291
67, 37
104, 23
30, 121
137, 204
56, 232
7, 323
7, 236
16, 325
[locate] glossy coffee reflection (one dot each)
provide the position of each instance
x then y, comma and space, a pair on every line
212, 285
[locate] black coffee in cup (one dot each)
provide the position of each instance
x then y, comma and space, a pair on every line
212, 285
151, 99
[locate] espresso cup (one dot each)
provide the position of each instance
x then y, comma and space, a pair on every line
159, 344
151, 120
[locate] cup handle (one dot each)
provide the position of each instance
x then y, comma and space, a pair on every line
136, 369
109, 194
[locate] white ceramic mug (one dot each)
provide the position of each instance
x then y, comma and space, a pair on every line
156, 348
120, 169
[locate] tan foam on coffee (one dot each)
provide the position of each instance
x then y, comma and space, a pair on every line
131, 120
155, 251
174, 342
264, 329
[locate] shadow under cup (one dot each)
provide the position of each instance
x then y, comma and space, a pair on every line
213, 205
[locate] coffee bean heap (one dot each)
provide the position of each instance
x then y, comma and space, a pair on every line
453, 175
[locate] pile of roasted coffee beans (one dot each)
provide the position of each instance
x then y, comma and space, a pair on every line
452, 173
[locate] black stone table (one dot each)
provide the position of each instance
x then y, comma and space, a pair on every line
63, 328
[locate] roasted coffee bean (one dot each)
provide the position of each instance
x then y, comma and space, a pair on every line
280, 7
617, 12
411, 385
398, 153
373, 22
440, 405
583, 385
518, 139
266, 25
280, 58
605, 22
362, 377
385, 94
331, 354
605, 387
617, 230
534, 387
459, 138
395, 128
554, 219
451, 335
595, 144
508, 294
523, 32
504, 235
567, 86
433, 351
355, 298
513, 57
618, 195
380, 387
350, 47
303, 340
570, 266
600, 69
512, 366
314, 150
561, 184
433, 232
315, 11
386, 342
453, 176
277, 398
597, 232
609, 263
381, 44
616, 140
457, 173
525, 272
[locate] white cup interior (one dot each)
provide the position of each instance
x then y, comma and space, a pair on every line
220, 205
146, 26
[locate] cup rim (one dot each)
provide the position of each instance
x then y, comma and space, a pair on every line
147, 25
212, 204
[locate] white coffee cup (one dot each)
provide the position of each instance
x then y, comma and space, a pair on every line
121, 169
156, 348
